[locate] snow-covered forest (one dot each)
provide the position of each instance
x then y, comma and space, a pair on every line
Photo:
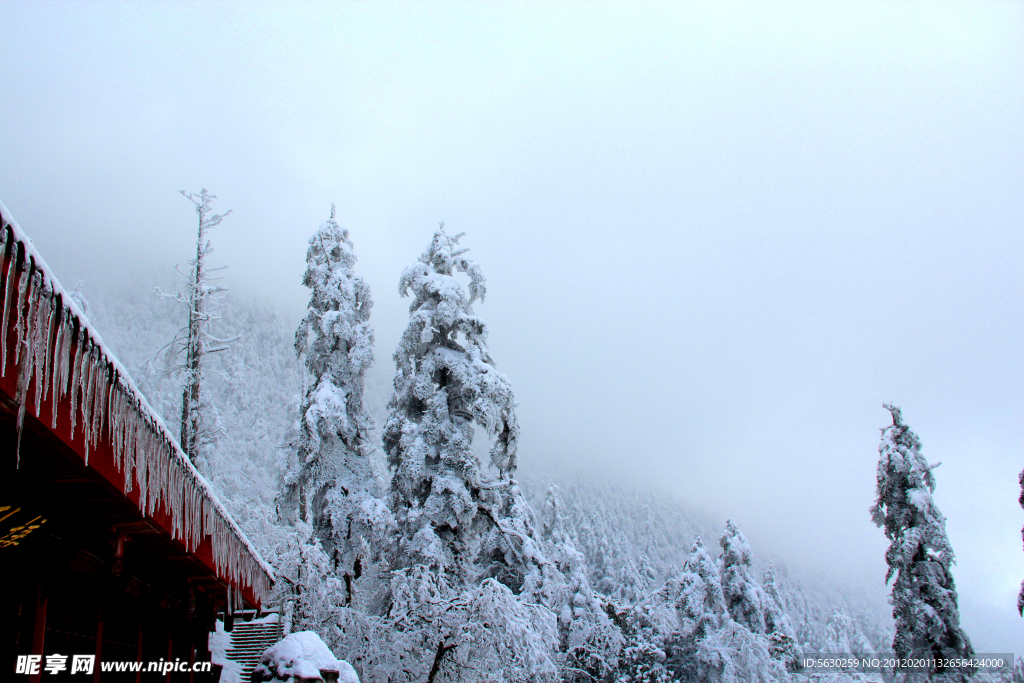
404, 534
729, 376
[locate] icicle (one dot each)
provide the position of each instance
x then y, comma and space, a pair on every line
119, 429
121, 437
111, 395
58, 363
143, 474
52, 335
125, 430
12, 269
129, 428
137, 427
156, 477
12, 298
98, 393
25, 338
192, 509
24, 309
83, 380
168, 479
35, 331
41, 340
131, 458
86, 379
116, 405
68, 330
107, 393
76, 373
170, 472
157, 485
89, 403
132, 455
22, 389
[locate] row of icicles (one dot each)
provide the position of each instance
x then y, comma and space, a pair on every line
57, 351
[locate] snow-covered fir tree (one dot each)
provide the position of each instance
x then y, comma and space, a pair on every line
467, 566
703, 603
188, 351
781, 634
589, 640
924, 598
744, 597
735, 654
452, 516
551, 516
333, 486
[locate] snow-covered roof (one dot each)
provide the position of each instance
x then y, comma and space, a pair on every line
67, 359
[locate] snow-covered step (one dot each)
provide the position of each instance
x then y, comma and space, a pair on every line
251, 639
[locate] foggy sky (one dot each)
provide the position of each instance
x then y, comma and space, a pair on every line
717, 237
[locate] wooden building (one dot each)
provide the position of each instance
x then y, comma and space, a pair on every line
112, 545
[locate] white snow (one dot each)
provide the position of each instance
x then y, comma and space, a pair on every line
219, 644
302, 655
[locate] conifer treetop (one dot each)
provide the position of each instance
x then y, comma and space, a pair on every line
444, 336
920, 557
904, 496
744, 597
334, 333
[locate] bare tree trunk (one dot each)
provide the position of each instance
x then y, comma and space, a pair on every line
442, 650
193, 359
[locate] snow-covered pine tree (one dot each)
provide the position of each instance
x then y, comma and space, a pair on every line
781, 634
333, 487
632, 584
450, 515
200, 426
589, 641
924, 596
551, 516
744, 597
837, 633
735, 654
603, 566
703, 601
700, 610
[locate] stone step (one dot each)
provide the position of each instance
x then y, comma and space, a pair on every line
249, 641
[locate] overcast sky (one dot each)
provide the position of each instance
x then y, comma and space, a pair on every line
717, 237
